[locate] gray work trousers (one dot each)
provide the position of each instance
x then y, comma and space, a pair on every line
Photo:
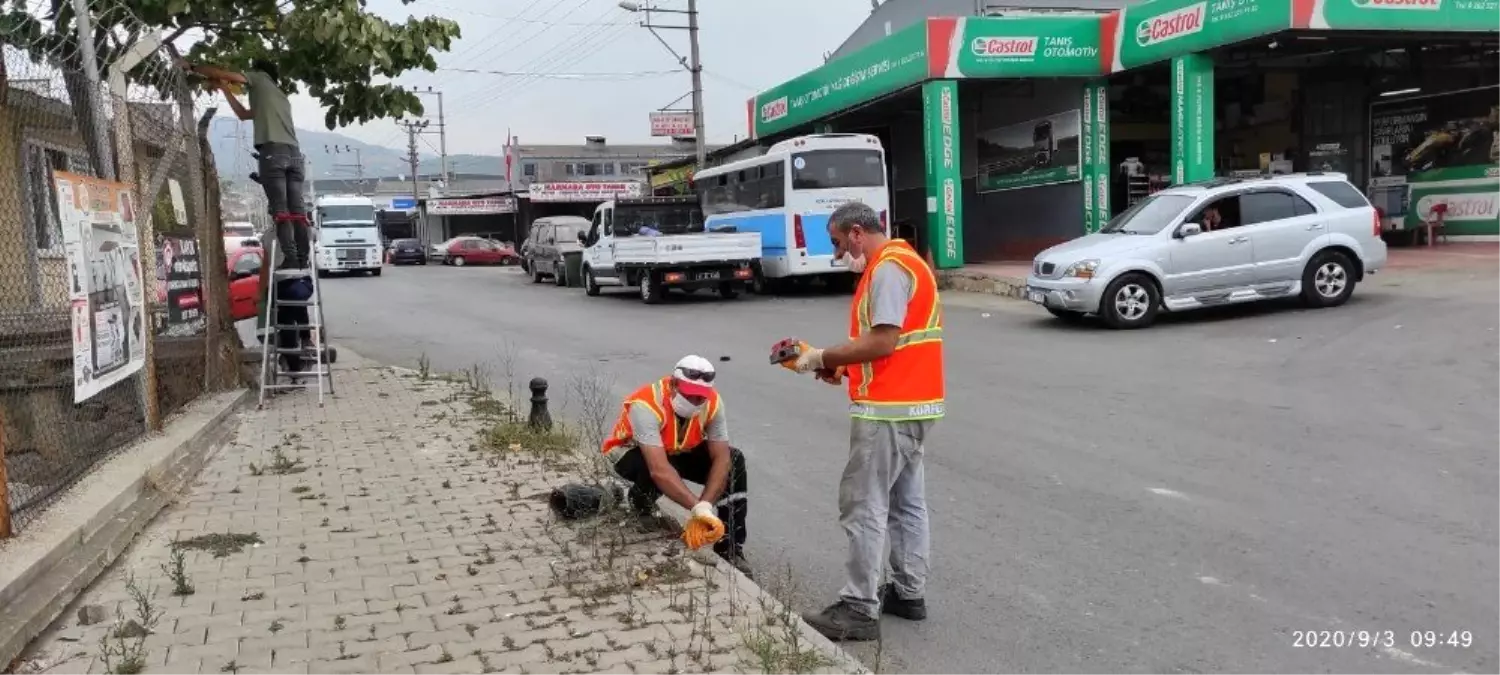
883, 494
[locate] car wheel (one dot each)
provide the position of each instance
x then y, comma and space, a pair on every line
375, 272
1130, 302
560, 274
1067, 315
536, 277
651, 290
459, 261
590, 284
728, 291
1328, 280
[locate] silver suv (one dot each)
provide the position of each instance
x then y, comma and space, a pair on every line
1219, 242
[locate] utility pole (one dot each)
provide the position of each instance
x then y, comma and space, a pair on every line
692, 62
413, 128
358, 165
442, 126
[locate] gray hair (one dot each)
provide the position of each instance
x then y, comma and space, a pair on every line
856, 214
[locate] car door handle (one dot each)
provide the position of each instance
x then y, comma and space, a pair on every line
1314, 226
1238, 240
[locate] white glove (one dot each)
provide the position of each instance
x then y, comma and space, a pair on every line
703, 510
810, 360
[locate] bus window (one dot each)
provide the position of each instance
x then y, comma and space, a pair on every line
829, 169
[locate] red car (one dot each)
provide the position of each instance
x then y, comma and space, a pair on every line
462, 251
244, 282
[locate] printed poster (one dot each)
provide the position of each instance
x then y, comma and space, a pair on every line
105, 288
1039, 152
179, 288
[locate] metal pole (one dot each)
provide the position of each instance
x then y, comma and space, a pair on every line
697, 68
91, 76
443, 140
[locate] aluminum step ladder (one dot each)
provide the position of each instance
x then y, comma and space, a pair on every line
311, 338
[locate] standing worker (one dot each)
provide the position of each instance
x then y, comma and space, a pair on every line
675, 429
894, 362
282, 166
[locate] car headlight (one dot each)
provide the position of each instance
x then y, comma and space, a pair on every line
1083, 269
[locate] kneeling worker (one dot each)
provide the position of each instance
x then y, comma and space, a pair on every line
673, 430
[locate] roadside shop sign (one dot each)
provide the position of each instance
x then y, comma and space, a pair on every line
1161, 29
886, 66
1032, 46
1094, 137
1440, 146
589, 191
675, 124
471, 207
945, 214
1192, 119
1408, 15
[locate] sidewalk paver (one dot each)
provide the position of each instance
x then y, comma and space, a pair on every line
391, 531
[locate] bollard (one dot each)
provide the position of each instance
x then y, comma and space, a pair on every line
540, 419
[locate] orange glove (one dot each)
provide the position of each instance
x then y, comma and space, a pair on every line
786, 352
703, 528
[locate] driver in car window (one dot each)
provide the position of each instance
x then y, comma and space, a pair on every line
1211, 218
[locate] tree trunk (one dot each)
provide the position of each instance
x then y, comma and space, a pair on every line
224, 345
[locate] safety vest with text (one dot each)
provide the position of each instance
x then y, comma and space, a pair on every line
907, 384
677, 435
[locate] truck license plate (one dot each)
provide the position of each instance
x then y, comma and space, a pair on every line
706, 276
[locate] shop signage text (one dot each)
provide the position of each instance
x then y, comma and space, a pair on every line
1162, 29
883, 67
597, 191
1185, 21
675, 124
469, 207
1192, 118
1398, 15
1029, 46
945, 207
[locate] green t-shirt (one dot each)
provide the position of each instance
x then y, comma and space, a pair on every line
270, 110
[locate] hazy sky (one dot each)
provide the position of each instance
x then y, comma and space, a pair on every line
746, 47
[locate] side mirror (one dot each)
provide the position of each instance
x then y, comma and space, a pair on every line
583, 238
1186, 230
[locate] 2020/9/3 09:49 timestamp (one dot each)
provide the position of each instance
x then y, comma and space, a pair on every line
1417, 639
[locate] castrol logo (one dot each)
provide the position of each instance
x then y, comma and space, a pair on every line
773, 110
1172, 25
1461, 206
1421, 5
1004, 46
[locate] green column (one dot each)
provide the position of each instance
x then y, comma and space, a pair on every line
945, 187
1094, 135
1192, 118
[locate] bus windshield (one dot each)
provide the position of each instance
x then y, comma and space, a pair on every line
831, 169
344, 214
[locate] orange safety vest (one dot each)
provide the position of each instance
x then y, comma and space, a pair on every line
677, 437
908, 384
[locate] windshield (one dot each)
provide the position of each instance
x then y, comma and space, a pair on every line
828, 169
362, 214
239, 230
1149, 215
674, 219
566, 233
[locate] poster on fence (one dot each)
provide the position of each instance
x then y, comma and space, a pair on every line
105, 288
179, 288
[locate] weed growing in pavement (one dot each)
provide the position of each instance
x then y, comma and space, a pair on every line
446, 657
231, 667
221, 545
776, 642
301, 489
424, 367
255, 470
176, 570
253, 596
339, 622
123, 647
484, 662
281, 465
276, 626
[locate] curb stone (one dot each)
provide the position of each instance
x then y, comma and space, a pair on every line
47, 565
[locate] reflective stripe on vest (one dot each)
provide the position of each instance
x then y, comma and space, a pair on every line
908, 384
657, 398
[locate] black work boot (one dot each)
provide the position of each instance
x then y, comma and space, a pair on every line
841, 621
893, 604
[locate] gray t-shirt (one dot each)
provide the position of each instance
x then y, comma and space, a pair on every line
271, 110
890, 291
647, 429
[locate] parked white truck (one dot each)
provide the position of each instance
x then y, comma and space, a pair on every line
348, 240
657, 243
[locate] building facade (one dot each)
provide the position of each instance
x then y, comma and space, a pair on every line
595, 160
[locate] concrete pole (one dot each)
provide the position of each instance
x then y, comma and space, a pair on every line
84, 24
443, 141
697, 67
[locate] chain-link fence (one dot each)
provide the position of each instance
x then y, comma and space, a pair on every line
113, 292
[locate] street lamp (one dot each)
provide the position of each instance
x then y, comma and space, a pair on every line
692, 63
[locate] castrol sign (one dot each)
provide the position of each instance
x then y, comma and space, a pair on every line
1172, 25
1463, 206
1002, 47
1420, 5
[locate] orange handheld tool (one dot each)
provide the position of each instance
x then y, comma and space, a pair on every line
785, 354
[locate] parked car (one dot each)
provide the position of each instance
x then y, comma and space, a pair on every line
1225, 241
552, 238
407, 251
244, 282
462, 251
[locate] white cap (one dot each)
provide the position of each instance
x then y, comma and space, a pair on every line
694, 386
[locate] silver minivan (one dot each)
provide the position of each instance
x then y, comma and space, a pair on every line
552, 238
1220, 242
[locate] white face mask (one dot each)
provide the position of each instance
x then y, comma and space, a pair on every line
683, 407
856, 265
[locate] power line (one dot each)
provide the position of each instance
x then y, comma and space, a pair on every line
550, 58
517, 45
732, 82
564, 76
493, 34
516, 18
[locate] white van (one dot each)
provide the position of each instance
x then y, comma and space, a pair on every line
348, 239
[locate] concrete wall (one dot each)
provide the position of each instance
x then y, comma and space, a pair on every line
1016, 224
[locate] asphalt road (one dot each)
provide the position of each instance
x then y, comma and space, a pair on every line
1181, 499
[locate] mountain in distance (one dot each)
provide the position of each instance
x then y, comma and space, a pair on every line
232, 155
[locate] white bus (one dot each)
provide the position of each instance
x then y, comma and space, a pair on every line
787, 195
348, 239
